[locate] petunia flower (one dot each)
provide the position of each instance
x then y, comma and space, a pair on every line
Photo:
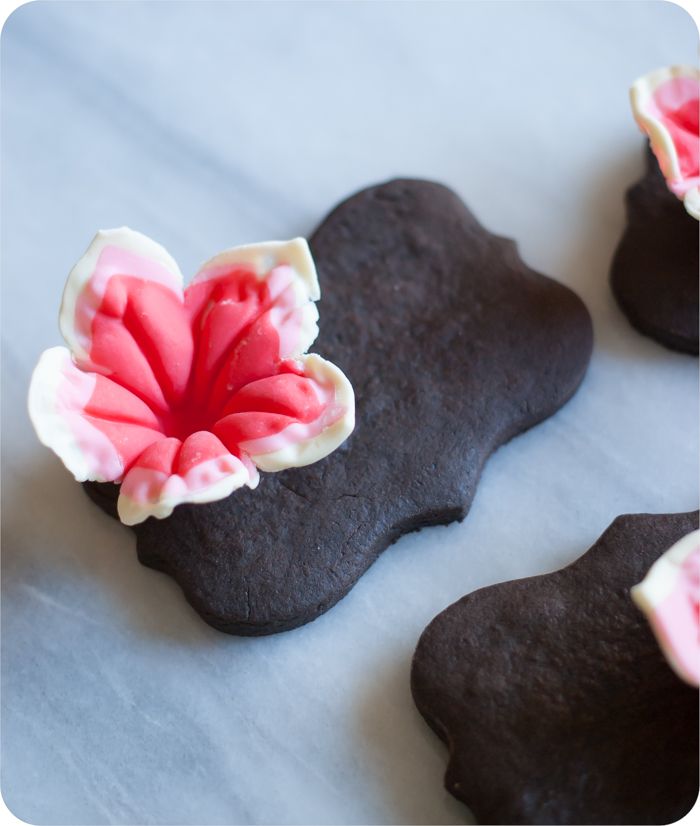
666, 106
669, 595
183, 395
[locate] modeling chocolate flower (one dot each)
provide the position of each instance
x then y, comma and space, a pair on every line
182, 395
669, 595
666, 105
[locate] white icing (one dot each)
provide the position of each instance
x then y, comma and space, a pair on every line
641, 98
662, 577
691, 202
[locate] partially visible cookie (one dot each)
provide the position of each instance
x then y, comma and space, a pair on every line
655, 270
453, 346
554, 698
654, 274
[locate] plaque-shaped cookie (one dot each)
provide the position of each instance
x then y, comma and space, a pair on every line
452, 345
553, 695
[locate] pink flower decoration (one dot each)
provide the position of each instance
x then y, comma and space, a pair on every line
669, 595
666, 105
183, 395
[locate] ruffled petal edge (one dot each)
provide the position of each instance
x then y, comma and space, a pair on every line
151, 491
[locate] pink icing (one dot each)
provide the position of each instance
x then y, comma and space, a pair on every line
111, 262
176, 393
676, 104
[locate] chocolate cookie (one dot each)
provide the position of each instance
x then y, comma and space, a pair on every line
654, 274
554, 697
453, 346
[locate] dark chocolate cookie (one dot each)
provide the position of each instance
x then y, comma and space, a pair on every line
453, 346
655, 271
554, 697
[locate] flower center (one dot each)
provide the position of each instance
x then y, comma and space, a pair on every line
185, 420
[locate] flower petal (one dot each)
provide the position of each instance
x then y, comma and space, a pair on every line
291, 419
669, 595
665, 105
251, 307
170, 473
123, 316
96, 427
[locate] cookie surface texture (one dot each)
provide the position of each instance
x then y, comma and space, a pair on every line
655, 270
453, 346
554, 697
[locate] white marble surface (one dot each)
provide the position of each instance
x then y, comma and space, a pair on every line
210, 124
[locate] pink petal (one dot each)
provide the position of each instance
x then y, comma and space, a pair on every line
669, 595
666, 104
251, 308
96, 427
221, 309
170, 473
123, 316
254, 356
291, 419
